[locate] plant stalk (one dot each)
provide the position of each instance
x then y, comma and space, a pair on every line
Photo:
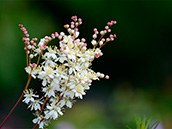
27, 84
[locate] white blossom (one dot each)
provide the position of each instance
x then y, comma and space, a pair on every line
35, 105
65, 70
29, 96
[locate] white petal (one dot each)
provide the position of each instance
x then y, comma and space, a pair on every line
41, 125
55, 115
69, 104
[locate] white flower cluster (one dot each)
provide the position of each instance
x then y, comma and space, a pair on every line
65, 71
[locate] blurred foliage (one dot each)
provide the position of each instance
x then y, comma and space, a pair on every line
139, 62
145, 123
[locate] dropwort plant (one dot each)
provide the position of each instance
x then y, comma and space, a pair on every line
64, 70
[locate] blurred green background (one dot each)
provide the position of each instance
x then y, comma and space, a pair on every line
139, 61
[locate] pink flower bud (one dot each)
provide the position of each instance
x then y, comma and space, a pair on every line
108, 23
84, 48
79, 19
25, 48
33, 47
53, 35
103, 39
26, 42
95, 29
89, 81
109, 30
76, 29
106, 27
101, 43
94, 36
98, 73
34, 64
29, 46
49, 38
107, 39
20, 25
96, 32
25, 32
56, 34
61, 49
60, 37
111, 36
101, 32
41, 47
97, 55
85, 44
114, 35
76, 23
66, 26
101, 54
23, 28
83, 40
112, 39
31, 56
30, 64
114, 22
107, 76
102, 75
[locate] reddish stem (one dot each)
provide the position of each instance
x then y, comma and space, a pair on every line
42, 109
35, 126
29, 78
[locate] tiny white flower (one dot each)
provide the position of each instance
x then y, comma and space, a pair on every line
76, 34
52, 114
35, 105
49, 91
28, 69
68, 39
93, 42
42, 41
62, 57
97, 51
29, 96
51, 53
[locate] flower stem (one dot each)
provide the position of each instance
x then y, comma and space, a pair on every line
42, 109
27, 84
35, 126
39, 113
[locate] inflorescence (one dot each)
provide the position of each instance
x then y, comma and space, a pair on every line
65, 71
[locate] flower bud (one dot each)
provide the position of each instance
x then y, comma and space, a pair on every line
31, 56
93, 42
107, 76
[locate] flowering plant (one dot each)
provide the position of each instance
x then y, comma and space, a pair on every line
65, 71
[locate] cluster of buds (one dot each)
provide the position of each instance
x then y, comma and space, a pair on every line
65, 71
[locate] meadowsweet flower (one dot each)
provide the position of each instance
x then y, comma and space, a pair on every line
65, 70
29, 96
35, 105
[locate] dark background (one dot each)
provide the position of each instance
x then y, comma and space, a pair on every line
139, 61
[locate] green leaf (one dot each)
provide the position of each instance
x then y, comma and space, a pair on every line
156, 123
